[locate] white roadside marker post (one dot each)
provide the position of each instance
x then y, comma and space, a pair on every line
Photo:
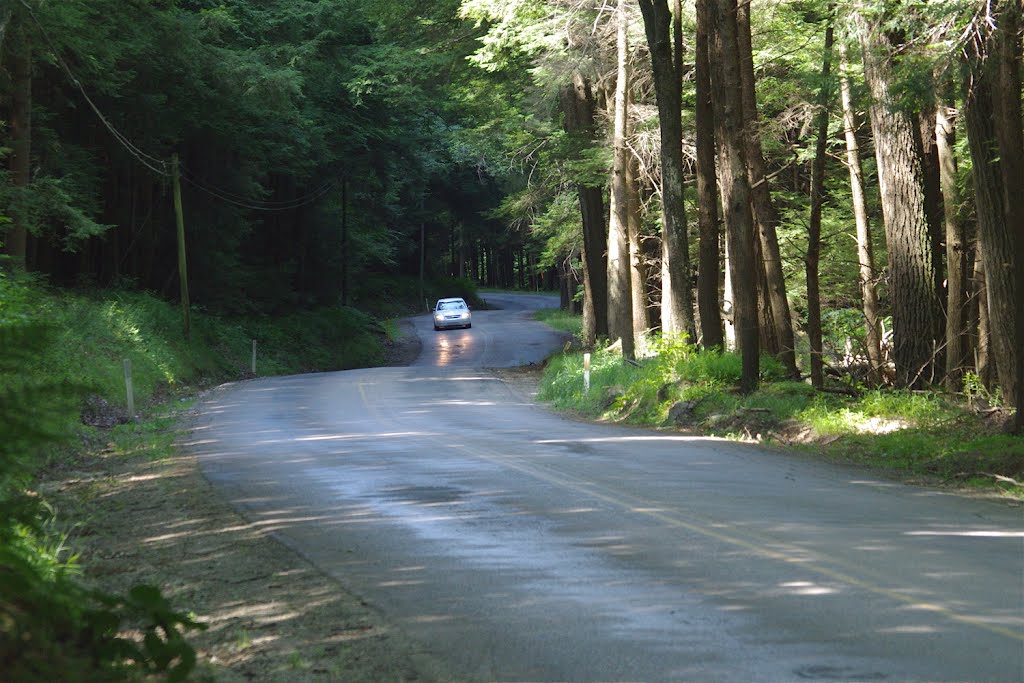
586, 373
129, 389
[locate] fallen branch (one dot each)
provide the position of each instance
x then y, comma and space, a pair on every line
992, 411
999, 477
837, 390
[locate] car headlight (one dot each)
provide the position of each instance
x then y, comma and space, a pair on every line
439, 316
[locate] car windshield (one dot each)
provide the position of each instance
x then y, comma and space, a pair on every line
450, 305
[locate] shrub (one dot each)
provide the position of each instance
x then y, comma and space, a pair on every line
51, 627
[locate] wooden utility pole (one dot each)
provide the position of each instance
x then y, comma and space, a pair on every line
346, 296
182, 263
423, 257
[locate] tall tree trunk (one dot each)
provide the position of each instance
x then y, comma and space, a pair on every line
637, 260
1010, 138
958, 261
735, 183
983, 362
20, 125
915, 306
728, 297
865, 250
566, 284
577, 101
766, 218
709, 270
5, 22
620, 302
676, 297
933, 207
814, 226
991, 130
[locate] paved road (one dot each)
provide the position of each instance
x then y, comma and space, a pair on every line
516, 545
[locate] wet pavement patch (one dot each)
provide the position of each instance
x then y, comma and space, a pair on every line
424, 495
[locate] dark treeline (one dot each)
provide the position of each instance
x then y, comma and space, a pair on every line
318, 144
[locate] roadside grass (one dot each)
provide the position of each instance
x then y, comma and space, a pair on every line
93, 333
925, 436
560, 320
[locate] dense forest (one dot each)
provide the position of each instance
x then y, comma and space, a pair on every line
837, 184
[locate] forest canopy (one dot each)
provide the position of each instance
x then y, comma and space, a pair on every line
836, 184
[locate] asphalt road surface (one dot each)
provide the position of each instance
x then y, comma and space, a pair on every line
515, 545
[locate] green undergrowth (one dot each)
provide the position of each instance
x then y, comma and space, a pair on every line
92, 334
915, 435
63, 397
558, 319
387, 296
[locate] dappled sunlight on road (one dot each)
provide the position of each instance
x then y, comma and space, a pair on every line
438, 490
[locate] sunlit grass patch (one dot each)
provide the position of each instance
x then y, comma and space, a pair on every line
558, 319
155, 439
914, 433
879, 412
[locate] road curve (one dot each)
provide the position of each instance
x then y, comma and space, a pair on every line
515, 545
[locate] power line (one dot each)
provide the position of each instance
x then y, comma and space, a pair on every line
152, 163
297, 203
159, 167
227, 195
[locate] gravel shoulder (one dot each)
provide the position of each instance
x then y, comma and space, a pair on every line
143, 516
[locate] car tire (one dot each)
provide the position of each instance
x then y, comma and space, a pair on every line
469, 326
436, 328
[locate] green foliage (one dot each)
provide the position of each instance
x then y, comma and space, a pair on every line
560, 320
454, 286
23, 431
51, 626
911, 432
282, 105
644, 393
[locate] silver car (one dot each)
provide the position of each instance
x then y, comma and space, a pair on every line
452, 312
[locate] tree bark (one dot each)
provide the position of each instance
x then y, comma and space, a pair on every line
992, 130
735, 183
766, 218
620, 302
915, 307
709, 270
1010, 139
637, 260
676, 297
814, 226
577, 102
983, 362
933, 207
865, 249
958, 262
